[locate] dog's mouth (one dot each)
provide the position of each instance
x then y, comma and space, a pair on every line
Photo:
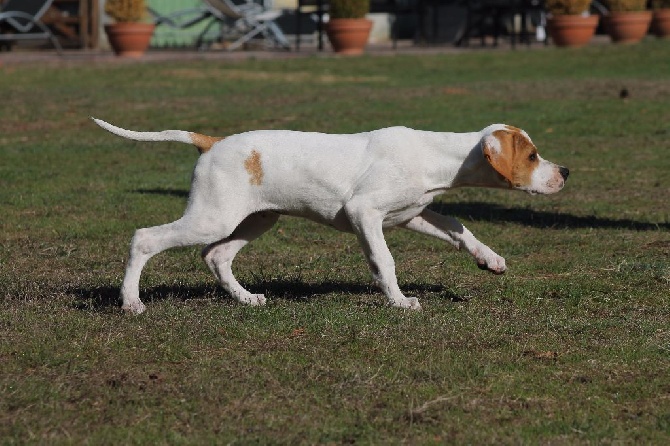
548, 189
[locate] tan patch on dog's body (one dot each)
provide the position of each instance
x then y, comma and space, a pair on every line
253, 165
204, 142
514, 162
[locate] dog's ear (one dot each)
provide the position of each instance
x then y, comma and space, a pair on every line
498, 149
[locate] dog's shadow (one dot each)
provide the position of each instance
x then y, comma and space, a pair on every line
104, 298
300, 291
482, 211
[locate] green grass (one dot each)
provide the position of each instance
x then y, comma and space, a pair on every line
571, 345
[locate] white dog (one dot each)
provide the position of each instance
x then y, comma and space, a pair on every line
360, 183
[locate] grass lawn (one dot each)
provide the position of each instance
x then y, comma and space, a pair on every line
571, 345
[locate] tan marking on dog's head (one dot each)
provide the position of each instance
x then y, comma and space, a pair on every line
253, 165
511, 128
203, 142
512, 155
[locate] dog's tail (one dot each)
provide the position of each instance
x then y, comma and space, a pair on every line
202, 142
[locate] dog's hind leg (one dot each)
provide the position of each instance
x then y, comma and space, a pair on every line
148, 242
219, 256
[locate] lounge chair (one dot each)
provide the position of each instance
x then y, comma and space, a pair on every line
249, 20
20, 20
184, 19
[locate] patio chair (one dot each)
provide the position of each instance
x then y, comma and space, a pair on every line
315, 10
20, 20
492, 17
249, 20
185, 19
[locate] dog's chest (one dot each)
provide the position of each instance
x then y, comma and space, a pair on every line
405, 213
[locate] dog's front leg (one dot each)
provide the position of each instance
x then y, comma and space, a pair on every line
367, 225
452, 231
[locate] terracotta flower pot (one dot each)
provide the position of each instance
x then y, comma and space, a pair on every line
660, 23
348, 36
572, 30
129, 39
628, 27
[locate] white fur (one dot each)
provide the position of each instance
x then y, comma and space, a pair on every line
360, 183
493, 143
165, 135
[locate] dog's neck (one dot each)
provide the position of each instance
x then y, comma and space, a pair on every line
458, 161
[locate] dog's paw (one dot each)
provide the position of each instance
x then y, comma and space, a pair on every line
134, 307
410, 303
492, 262
254, 300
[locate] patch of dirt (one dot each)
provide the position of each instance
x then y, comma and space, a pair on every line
254, 75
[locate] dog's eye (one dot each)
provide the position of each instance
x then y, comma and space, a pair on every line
532, 157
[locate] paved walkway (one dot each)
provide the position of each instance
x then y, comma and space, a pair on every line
20, 56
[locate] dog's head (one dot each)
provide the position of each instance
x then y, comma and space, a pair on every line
513, 155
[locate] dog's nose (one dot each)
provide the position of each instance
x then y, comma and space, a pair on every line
564, 172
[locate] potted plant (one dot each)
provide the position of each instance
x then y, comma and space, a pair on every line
569, 22
660, 19
628, 20
348, 30
128, 36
